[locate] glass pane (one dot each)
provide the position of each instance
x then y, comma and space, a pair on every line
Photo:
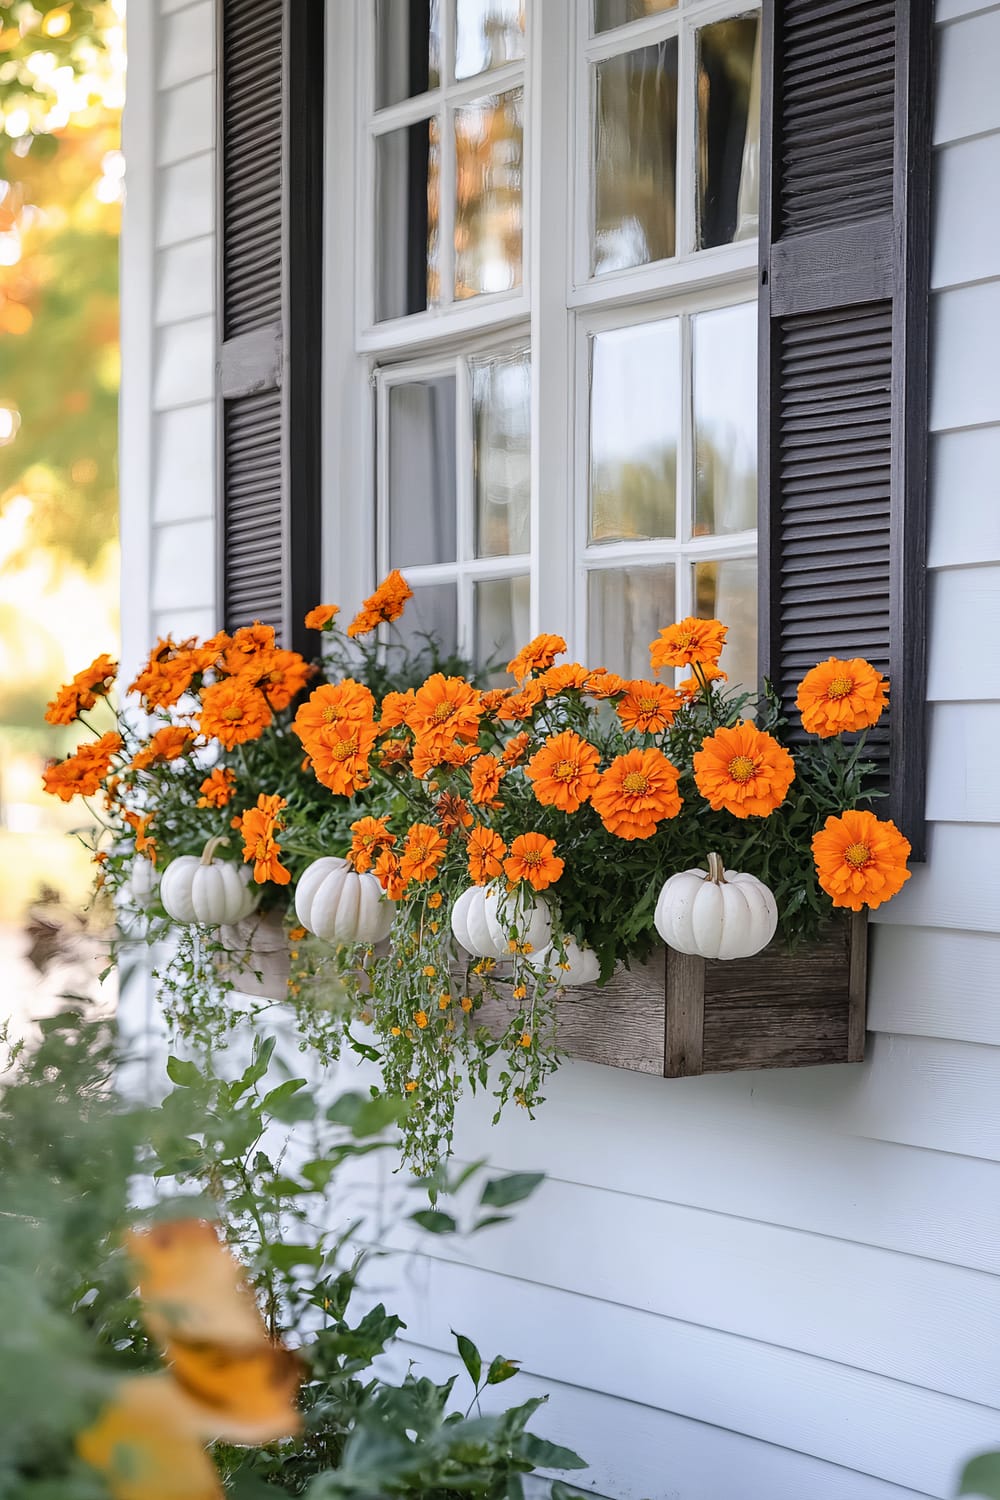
422, 503
635, 151
725, 419
502, 622
488, 194
611, 13
728, 130
433, 612
727, 591
407, 49
501, 416
488, 33
407, 172
626, 608
635, 405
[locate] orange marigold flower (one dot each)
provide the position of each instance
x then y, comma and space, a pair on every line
636, 792
386, 604
387, 869
487, 773
166, 744
604, 684
564, 771
394, 755
81, 773
486, 850
340, 755
691, 688
321, 615
371, 836
515, 749
422, 853
279, 675
838, 696
570, 674
233, 713
144, 841
743, 770
246, 643
429, 754
258, 826
332, 703
647, 707
523, 704
452, 812
83, 691
445, 709
690, 642
493, 699
536, 656
533, 858
860, 860
435, 900
217, 789
396, 709
166, 675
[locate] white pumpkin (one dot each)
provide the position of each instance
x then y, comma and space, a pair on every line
142, 882
486, 918
724, 914
211, 892
338, 905
580, 966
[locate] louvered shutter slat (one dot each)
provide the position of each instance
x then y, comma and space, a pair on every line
843, 356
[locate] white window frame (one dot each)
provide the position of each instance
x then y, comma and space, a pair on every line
556, 310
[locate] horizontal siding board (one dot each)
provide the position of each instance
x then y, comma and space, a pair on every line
968, 100
963, 665
959, 886
962, 781
186, 199
966, 238
187, 121
965, 498
184, 565
184, 370
185, 280
953, 10
187, 44
184, 464
925, 982
965, 391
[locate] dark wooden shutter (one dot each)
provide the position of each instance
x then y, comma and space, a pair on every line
845, 140
270, 294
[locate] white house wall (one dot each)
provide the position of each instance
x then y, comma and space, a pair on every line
777, 1286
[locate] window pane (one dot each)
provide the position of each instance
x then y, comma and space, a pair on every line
407, 172
502, 622
725, 418
407, 49
422, 503
501, 415
635, 150
488, 194
727, 591
728, 130
626, 607
488, 33
433, 612
635, 405
611, 13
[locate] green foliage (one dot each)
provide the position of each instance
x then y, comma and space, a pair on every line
981, 1476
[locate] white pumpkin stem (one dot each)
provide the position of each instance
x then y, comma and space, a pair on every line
208, 853
716, 870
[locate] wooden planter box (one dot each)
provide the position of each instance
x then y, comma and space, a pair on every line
678, 1016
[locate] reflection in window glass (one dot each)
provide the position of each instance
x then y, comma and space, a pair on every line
728, 130
635, 402
488, 33
635, 152
501, 417
407, 173
727, 591
488, 136
502, 623
407, 49
433, 611
626, 608
725, 419
422, 490
611, 13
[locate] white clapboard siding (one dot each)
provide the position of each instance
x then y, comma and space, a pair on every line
182, 623
637, 1452
962, 781
184, 565
928, 982
186, 199
964, 389
964, 619
959, 886
954, 10
184, 463
965, 484
186, 120
963, 170
888, 1429
185, 363
185, 283
968, 100
187, 47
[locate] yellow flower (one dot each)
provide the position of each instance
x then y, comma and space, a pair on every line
420, 1016
525, 1039
411, 1084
